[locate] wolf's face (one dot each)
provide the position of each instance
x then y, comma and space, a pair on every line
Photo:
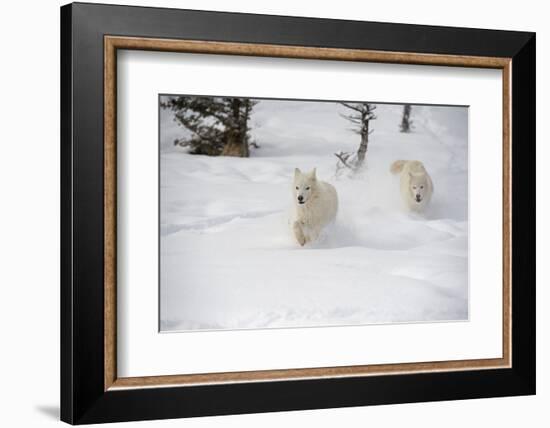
418, 186
304, 185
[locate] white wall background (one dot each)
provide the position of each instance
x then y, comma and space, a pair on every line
29, 213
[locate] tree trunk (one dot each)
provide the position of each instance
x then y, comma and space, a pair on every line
362, 152
237, 144
244, 130
406, 121
233, 146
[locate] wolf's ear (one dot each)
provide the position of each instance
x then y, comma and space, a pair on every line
314, 174
297, 172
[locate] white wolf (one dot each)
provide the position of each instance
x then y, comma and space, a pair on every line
315, 206
416, 185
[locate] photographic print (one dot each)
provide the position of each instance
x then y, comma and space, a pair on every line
280, 213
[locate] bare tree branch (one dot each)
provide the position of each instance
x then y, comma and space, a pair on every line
363, 114
356, 107
343, 157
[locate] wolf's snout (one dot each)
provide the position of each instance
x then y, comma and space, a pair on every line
418, 198
300, 198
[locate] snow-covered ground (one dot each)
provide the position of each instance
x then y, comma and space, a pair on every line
228, 260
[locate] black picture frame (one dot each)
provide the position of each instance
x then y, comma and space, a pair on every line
83, 396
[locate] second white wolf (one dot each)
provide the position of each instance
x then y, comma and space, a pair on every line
315, 204
415, 183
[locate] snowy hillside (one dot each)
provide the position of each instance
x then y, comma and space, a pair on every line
228, 260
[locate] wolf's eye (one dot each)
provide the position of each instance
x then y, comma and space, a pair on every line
421, 187
414, 187
307, 188
296, 187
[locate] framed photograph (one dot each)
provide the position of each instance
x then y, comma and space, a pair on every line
265, 213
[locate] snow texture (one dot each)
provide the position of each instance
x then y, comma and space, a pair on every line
228, 260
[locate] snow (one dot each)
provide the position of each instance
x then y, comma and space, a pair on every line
228, 260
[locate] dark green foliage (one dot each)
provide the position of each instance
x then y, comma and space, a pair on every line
218, 125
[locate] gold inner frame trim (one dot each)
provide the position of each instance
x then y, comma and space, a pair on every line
113, 43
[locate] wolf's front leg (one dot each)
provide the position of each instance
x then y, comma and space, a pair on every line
313, 233
299, 233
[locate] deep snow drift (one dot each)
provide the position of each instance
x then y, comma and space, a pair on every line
228, 260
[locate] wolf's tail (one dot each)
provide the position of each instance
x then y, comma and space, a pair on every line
397, 166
